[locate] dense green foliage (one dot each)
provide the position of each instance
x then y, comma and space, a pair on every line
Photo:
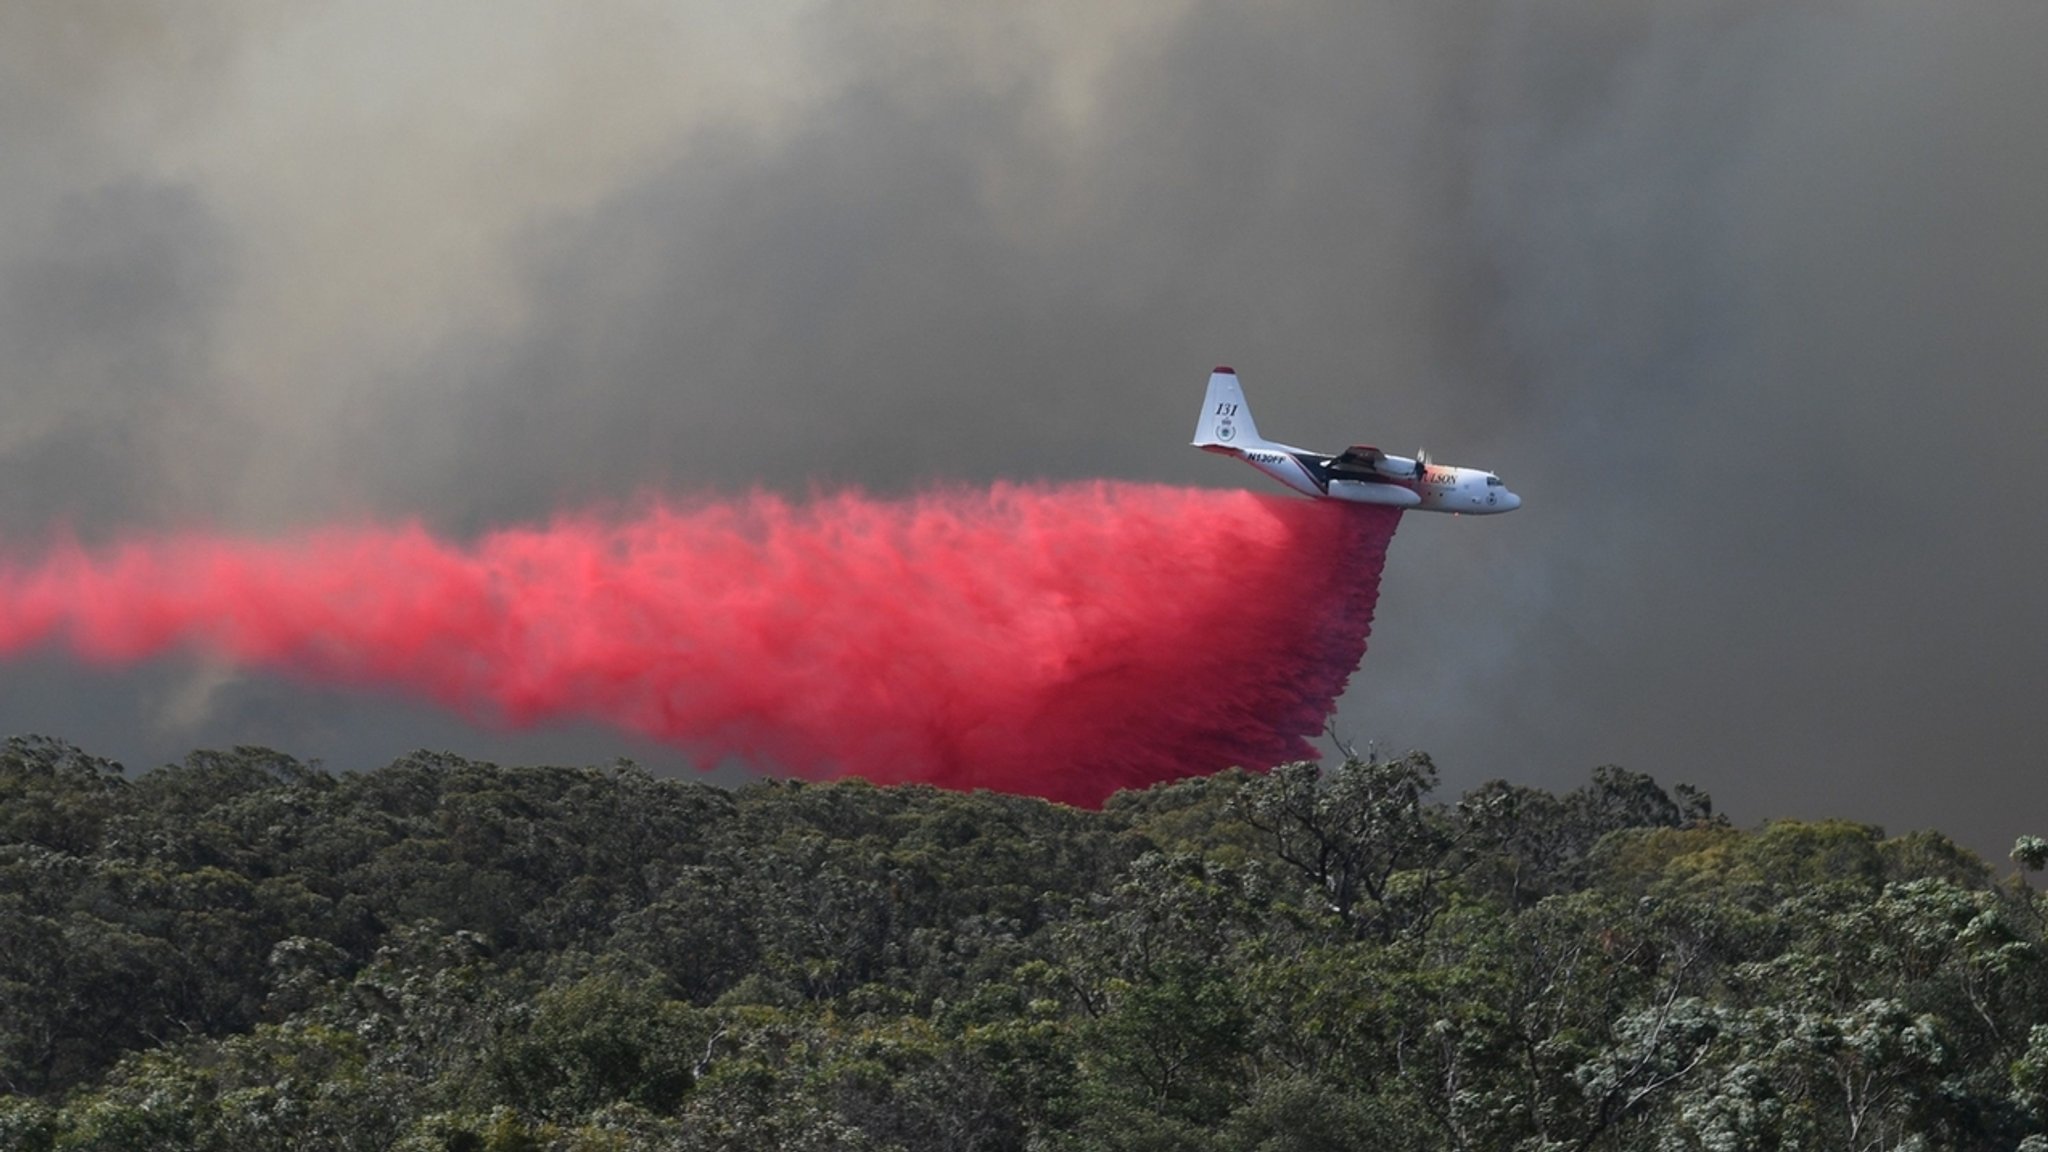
242, 952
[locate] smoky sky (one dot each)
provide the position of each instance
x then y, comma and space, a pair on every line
1744, 299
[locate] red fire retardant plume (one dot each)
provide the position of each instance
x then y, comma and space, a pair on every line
1063, 642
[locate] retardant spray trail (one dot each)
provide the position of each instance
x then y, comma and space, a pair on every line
1063, 642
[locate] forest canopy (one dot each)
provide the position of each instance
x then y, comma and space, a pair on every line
247, 952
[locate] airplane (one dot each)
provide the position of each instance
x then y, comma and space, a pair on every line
1360, 474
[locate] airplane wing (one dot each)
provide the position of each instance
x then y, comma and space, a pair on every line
1358, 458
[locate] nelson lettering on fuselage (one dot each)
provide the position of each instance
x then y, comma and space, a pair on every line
1360, 474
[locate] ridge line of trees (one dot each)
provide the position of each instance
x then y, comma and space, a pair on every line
244, 951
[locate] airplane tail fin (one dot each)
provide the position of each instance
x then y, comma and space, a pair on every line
1226, 419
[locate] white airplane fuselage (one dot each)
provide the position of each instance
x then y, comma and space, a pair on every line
1359, 475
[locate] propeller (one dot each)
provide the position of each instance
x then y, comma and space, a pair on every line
1421, 461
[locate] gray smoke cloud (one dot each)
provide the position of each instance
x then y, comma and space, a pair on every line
1743, 298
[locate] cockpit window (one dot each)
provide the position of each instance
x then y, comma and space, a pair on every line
1493, 481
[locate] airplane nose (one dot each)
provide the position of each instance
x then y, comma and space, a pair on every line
1513, 501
